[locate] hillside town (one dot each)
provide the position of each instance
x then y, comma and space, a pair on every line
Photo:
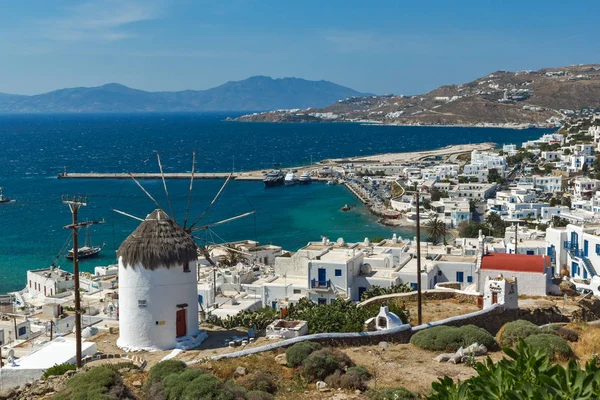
522, 217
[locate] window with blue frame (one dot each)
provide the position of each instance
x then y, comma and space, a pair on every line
469, 279
338, 272
598, 249
414, 286
460, 276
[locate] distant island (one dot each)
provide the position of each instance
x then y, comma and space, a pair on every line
505, 99
253, 94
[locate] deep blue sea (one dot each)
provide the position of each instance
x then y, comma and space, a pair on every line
35, 148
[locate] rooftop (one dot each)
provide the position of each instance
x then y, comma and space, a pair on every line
514, 262
53, 273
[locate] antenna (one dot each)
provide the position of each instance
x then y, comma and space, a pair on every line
187, 211
162, 175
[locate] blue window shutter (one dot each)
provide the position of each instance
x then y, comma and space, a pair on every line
469, 279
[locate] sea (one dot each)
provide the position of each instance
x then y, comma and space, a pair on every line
34, 149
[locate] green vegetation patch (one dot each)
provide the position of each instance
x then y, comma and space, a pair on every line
299, 352
450, 338
59, 369
99, 383
556, 347
511, 332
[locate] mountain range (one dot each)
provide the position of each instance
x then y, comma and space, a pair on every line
257, 93
502, 98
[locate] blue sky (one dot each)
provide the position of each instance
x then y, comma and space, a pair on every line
400, 47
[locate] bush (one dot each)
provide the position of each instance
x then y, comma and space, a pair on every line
319, 365
164, 368
258, 395
59, 369
206, 387
556, 347
450, 338
259, 382
175, 384
399, 393
99, 383
362, 371
300, 352
353, 379
342, 358
511, 332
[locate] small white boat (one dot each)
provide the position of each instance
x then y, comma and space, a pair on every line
304, 178
290, 179
331, 182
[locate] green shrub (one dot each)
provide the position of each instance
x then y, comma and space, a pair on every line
450, 338
163, 369
319, 365
99, 383
59, 369
511, 332
342, 358
299, 352
206, 387
556, 347
399, 393
258, 395
362, 371
175, 384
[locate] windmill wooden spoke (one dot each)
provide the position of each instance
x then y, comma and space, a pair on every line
187, 210
128, 215
222, 222
145, 191
162, 174
210, 205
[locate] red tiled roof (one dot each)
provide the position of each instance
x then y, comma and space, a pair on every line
514, 262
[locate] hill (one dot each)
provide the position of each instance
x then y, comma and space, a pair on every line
252, 94
503, 98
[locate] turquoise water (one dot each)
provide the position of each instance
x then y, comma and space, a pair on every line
34, 149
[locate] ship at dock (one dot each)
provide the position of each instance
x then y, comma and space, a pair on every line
290, 179
274, 178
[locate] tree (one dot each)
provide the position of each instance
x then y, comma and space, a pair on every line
494, 176
566, 201
232, 256
554, 202
469, 229
559, 222
495, 223
436, 229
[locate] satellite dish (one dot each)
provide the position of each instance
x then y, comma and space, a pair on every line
340, 242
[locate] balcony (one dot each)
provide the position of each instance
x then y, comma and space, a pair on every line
316, 284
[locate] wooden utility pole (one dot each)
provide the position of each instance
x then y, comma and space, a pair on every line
419, 304
74, 204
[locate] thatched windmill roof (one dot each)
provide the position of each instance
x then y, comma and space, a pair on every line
158, 242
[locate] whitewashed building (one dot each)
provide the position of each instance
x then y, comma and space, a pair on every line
48, 282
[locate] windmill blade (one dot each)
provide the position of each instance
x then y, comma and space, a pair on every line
128, 215
210, 205
162, 174
221, 222
187, 210
145, 191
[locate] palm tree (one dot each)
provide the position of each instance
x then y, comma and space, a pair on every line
233, 256
436, 229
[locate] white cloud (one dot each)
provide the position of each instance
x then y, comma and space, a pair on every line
98, 20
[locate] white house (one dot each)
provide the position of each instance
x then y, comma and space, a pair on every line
48, 282
534, 273
576, 248
158, 297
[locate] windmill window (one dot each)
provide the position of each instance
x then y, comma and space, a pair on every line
186, 267
142, 303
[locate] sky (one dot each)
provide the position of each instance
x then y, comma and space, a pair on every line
400, 47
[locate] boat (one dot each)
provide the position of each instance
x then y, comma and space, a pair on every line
274, 178
331, 182
290, 179
4, 199
304, 178
86, 251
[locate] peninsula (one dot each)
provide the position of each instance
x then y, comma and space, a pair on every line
540, 98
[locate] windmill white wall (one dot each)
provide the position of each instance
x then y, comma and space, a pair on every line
148, 304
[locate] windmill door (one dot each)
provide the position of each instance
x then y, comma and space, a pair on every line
180, 323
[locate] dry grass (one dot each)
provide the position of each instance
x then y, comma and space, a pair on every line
589, 341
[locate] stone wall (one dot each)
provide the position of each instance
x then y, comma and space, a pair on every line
434, 294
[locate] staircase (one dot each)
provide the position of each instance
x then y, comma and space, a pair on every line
190, 342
